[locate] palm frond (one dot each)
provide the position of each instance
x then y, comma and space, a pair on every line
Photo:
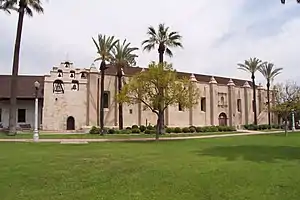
105, 46
269, 72
169, 39
252, 65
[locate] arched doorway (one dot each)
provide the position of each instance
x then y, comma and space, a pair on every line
222, 119
70, 123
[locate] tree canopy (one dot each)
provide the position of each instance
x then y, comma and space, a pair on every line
146, 87
287, 99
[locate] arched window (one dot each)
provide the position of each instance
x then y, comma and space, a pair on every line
75, 85
72, 74
60, 73
58, 87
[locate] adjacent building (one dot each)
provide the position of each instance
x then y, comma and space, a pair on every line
69, 100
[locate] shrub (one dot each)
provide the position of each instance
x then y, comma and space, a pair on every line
135, 130
246, 126
177, 130
275, 126
152, 132
150, 127
199, 129
186, 130
125, 131
192, 129
147, 131
211, 129
263, 126
117, 131
142, 128
169, 130
94, 130
128, 128
134, 127
111, 131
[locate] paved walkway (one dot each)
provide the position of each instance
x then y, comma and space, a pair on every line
87, 140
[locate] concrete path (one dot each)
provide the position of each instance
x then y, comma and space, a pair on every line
87, 140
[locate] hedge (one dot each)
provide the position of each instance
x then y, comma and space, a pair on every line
151, 129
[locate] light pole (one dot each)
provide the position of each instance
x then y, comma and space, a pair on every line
36, 112
293, 120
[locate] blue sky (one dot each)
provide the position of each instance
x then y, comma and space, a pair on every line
216, 34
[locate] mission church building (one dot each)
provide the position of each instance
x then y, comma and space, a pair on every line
69, 99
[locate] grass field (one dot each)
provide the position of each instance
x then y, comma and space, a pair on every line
88, 136
245, 167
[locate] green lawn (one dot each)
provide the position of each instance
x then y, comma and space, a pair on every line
264, 167
85, 136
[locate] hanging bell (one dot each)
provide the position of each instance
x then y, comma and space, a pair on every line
74, 87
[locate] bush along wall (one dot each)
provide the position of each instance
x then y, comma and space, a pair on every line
152, 129
260, 127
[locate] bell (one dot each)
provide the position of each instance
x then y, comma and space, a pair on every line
59, 75
72, 75
74, 87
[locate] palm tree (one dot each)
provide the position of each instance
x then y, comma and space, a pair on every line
22, 7
165, 40
252, 65
283, 1
269, 72
104, 47
123, 56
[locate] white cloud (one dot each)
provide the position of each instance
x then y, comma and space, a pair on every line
67, 27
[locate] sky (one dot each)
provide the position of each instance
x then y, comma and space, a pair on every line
216, 34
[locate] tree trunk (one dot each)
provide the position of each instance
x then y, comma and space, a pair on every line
254, 99
102, 68
120, 104
14, 77
285, 126
269, 106
161, 51
159, 124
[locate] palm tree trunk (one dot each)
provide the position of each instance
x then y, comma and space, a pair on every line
269, 106
102, 68
161, 51
120, 104
14, 77
254, 99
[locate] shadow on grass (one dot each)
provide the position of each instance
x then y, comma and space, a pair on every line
254, 153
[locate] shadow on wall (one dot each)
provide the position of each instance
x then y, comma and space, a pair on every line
255, 153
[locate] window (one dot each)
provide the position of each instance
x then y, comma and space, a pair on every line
106, 99
239, 105
21, 115
75, 85
60, 73
72, 74
180, 107
203, 104
58, 86
0, 114
222, 101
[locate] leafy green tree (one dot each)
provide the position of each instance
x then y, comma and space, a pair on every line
269, 72
104, 46
22, 7
287, 99
252, 66
164, 40
123, 56
145, 87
